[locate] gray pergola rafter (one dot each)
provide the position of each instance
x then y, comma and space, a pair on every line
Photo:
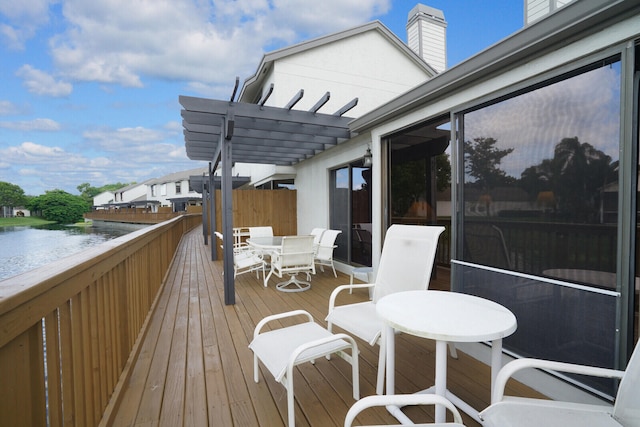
268, 135
226, 132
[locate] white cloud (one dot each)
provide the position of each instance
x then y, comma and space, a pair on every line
26, 17
125, 139
32, 150
41, 83
44, 125
7, 107
204, 43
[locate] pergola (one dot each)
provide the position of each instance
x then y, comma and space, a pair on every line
225, 132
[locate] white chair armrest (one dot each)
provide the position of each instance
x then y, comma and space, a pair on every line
526, 363
268, 319
336, 291
399, 400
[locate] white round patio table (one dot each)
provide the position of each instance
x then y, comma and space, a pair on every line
444, 317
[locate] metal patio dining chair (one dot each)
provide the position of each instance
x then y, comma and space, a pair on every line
317, 235
324, 251
245, 259
294, 256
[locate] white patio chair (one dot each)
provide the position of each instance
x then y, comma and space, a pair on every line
404, 400
405, 264
245, 259
527, 412
266, 231
324, 252
263, 231
295, 256
281, 349
317, 235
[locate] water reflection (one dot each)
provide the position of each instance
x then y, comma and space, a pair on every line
25, 248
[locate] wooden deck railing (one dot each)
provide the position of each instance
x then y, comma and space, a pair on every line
67, 330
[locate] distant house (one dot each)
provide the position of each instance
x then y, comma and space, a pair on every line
103, 200
174, 190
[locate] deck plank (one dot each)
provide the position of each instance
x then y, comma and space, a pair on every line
195, 367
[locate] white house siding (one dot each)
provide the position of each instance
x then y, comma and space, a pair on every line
365, 66
536, 9
312, 183
103, 198
413, 38
433, 42
427, 37
132, 192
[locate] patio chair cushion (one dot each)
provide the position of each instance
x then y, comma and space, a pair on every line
274, 347
350, 317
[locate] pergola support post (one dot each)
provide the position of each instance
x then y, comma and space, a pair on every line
212, 215
205, 224
227, 209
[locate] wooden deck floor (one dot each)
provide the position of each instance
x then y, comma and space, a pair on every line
194, 367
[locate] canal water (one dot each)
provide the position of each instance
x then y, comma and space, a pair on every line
25, 248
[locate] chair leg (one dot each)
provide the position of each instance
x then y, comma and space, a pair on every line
255, 369
452, 350
290, 407
266, 279
382, 364
334, 270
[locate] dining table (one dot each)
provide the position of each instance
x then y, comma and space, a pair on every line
446, 317
266, 243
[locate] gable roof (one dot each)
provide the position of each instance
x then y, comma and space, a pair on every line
254, 83
179, 176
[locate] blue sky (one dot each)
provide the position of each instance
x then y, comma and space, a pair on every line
89, 89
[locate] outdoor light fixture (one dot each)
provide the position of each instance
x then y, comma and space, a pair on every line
368, 159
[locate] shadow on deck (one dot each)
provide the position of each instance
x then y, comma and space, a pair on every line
194, 367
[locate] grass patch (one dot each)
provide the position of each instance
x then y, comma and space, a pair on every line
23, 221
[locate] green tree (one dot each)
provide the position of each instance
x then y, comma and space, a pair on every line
482, 161
11, 195
579, 172
575, 175
443, 172
59, 206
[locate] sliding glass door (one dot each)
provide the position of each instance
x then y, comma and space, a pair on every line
350, 204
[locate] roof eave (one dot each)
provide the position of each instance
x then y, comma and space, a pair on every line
568, 23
